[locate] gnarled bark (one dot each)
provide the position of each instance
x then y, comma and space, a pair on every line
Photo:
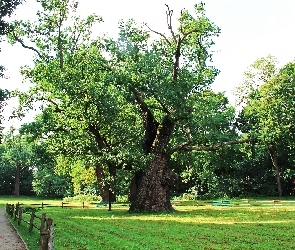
151, 188
152, 192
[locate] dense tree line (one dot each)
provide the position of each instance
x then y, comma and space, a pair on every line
137, 116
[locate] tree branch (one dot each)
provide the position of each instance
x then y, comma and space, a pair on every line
158, 33
177, 57
188, 33
169, 22
24, 168
149, 122
60, 47
57, 108
25, 46
167, 111
186, 147
188, 133
100, 140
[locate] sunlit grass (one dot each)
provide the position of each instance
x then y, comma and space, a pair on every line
190, 227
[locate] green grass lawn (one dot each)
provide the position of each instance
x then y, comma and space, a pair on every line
263, 226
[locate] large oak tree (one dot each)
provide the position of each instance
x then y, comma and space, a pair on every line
129, 103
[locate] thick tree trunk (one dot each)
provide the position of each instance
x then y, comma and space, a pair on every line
150, 190
17, 182
104, 189
274, 159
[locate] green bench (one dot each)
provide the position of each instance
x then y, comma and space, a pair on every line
221, 203
102, 204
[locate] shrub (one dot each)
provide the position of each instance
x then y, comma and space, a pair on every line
82, 197
122, 198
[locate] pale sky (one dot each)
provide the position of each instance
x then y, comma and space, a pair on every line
250, 29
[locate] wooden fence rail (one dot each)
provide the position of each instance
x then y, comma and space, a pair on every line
45, 228
63, 204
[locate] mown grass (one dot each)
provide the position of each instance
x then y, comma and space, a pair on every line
190, 227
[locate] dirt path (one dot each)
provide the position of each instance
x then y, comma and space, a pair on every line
9, 238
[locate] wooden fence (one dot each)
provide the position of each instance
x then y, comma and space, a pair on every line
45, 228
73, 205
63, 204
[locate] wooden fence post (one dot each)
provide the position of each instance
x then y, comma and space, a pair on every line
43, 218
32, 221
20, 216
51, 234
46, 234
43, 234
16, 211
11, 210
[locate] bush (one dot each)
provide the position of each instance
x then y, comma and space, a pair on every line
28, 209
122, 198
185, 196
82, 197
48, 184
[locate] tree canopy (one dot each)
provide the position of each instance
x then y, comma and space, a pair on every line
141, 111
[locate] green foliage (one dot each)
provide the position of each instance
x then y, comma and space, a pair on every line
7, 173
122, 198
7, 7
26, 187
82, 197
276, 107
7, 180
103, 102
268, 117
270, 106
29, 209
17, 150
17, 153
256, 75
236, 171
47, 183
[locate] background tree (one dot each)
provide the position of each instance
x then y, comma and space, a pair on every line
256, 75
17, 152
47, 183
269, 114
7, 174
82, 113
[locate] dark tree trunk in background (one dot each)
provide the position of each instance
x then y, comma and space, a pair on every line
104, 189
17, 181
112, 185
150, 190
274, 158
